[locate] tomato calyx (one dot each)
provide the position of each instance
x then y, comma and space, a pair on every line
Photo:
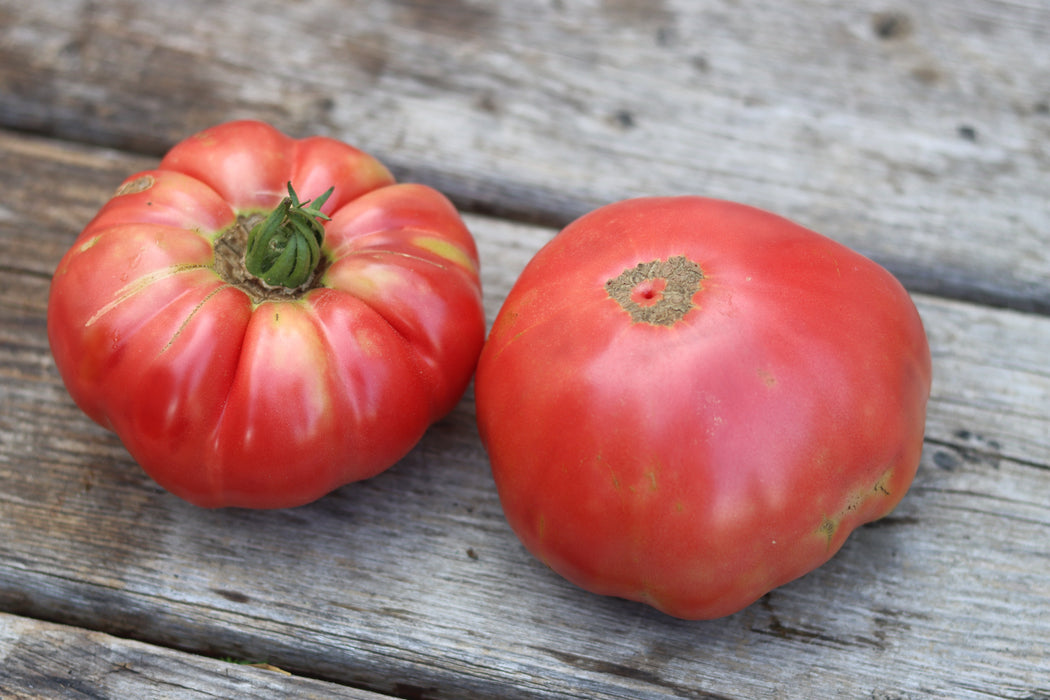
658, 292
275, 255
284, 249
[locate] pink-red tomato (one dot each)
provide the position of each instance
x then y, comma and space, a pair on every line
689, 402
231, 391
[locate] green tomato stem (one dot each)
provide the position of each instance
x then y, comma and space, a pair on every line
284, 249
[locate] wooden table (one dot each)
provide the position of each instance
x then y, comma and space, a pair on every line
917, 133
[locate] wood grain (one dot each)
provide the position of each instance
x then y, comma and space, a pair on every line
44, 660
916, 135
411, 584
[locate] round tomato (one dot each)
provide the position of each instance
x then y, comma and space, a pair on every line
262, 319
689, 402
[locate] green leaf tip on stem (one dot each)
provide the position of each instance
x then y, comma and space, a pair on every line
284, 249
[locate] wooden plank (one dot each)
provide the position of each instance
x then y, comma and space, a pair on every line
914, 135
45, 660
411, 583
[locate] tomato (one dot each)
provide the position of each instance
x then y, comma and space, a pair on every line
689, 402
262, 319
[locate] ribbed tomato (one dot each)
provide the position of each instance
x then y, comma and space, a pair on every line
262, 319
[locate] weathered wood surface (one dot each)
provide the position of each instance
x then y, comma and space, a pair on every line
917, 136
45, 660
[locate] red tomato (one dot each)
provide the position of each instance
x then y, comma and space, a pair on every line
689, 402
234, 392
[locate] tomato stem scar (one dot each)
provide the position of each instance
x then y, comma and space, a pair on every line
659, 292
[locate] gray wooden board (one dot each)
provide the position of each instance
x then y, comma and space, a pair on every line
916, 133
45, 660
411, 583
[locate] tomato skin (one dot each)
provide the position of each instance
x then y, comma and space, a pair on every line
230, 399
696, 464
